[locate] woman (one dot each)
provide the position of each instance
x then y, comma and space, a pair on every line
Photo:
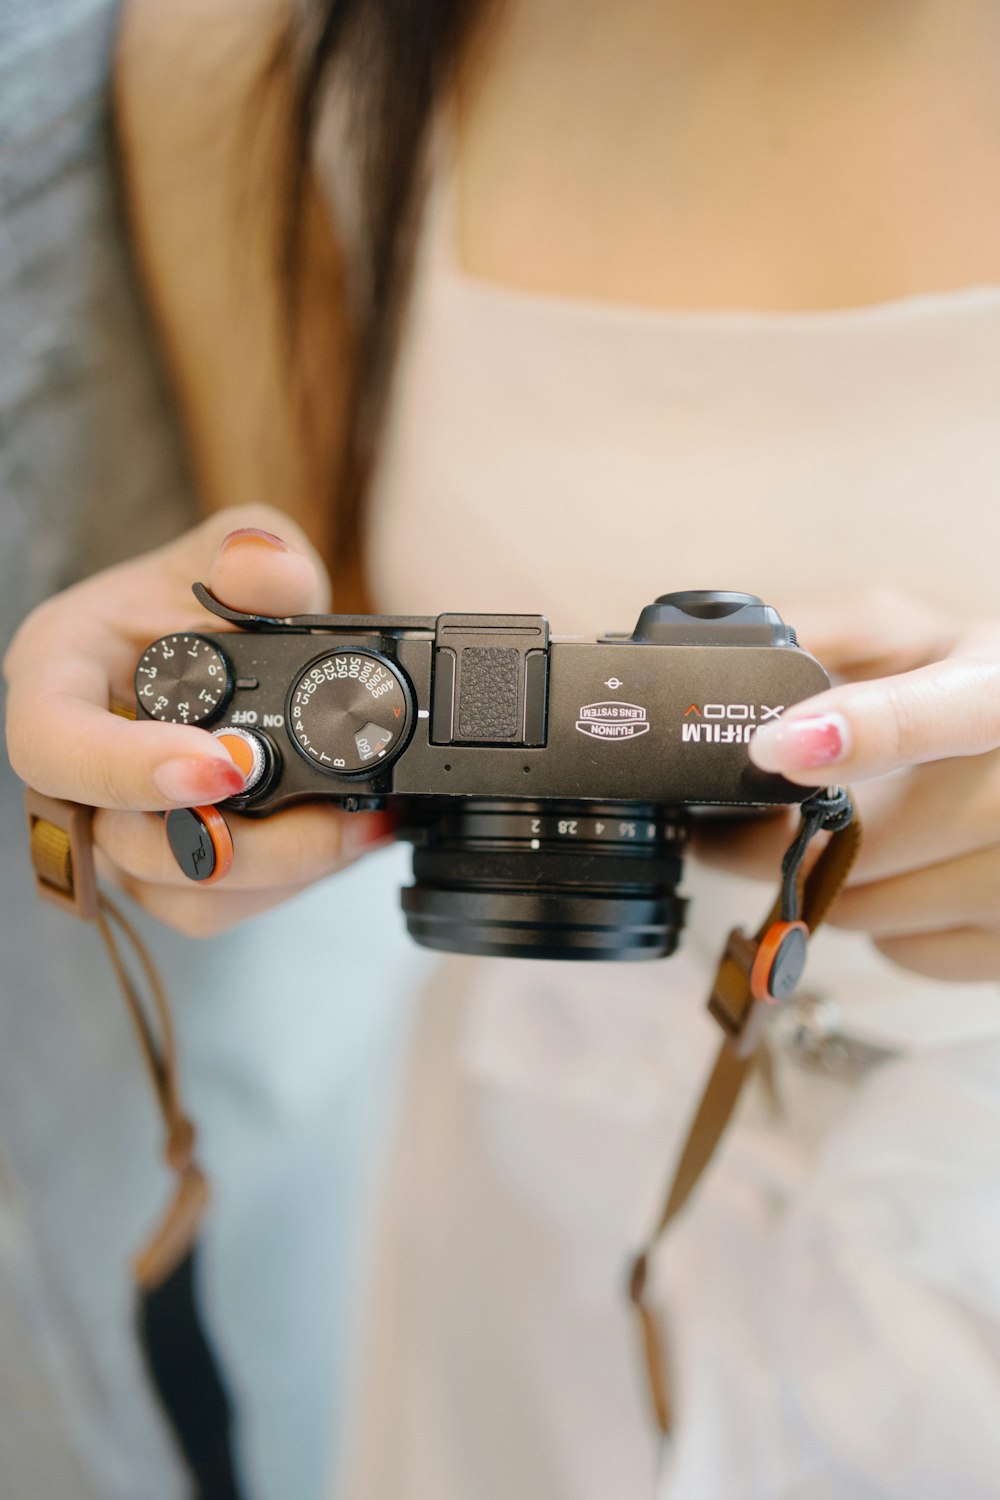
699, 296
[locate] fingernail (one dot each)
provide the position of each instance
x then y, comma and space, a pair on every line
254, 535
801, 744
198, 778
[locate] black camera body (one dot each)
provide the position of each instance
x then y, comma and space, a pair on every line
542, 780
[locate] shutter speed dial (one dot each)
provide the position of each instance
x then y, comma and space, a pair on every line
183, 679
350, 712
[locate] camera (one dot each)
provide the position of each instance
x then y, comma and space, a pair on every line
545, 782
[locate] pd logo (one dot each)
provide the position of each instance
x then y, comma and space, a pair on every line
612, 721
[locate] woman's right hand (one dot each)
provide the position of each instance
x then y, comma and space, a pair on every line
78, 650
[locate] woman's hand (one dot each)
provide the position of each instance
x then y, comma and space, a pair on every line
78, 650
920, 748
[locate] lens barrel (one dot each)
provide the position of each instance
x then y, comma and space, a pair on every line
547, 880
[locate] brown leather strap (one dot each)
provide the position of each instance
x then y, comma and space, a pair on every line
742, 1018
62, 854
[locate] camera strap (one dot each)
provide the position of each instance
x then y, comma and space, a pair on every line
754, 974
179, 1358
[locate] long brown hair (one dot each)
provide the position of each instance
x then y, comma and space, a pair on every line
395, 60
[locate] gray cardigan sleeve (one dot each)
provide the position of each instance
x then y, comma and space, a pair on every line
90, 471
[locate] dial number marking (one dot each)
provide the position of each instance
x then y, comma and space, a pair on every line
183, 679
340, 709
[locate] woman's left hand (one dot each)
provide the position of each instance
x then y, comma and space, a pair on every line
914, 730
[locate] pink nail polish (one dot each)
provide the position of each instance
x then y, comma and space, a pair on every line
253, 535
801, 744
193, 779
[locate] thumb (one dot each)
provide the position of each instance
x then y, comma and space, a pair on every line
262, 573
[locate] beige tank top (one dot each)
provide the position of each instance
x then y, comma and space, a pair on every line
577, 459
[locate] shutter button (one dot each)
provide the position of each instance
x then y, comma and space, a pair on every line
248, 751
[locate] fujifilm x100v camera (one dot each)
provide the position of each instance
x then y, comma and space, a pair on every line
544, 781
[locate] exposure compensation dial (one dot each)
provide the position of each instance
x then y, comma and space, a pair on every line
183, 679
350, 712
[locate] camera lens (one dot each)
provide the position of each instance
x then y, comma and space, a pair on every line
546, 880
